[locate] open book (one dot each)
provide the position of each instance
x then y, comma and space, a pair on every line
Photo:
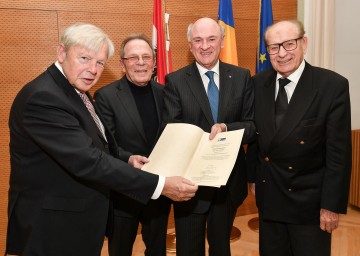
185, 150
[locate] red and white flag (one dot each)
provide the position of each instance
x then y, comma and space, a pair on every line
168, 49
158, 40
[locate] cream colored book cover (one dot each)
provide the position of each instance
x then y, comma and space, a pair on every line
185, 150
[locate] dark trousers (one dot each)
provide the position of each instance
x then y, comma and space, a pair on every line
283, 239
153, 218
216, 223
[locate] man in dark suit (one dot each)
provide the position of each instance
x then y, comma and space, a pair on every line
303, 161
186, 100
61, 171
132, 107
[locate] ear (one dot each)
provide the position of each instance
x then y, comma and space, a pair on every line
304, 44
122, 65
61, 53
222, 41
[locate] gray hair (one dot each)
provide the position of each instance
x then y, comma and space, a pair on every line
87, 35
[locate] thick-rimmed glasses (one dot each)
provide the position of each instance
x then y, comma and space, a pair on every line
136, 58
288, 45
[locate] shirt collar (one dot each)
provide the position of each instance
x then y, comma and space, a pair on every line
203, 70
295, 76
57, 64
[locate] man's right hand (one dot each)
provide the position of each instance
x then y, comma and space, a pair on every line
179, 189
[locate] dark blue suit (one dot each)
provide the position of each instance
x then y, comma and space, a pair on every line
305, 164
186, 101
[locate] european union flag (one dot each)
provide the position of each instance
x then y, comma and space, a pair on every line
266, 19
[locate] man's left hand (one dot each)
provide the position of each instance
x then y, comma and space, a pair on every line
329, 221
137, 161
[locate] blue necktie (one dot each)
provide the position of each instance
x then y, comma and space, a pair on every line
213, 95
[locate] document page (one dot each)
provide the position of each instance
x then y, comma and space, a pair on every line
174, 150
185, 150
214, 159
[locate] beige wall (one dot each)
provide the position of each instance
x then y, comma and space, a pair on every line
30, 30
347, 51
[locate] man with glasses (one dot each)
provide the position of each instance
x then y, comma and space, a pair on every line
302, 160
131, 107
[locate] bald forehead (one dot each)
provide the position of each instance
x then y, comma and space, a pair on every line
283, 26
205, 24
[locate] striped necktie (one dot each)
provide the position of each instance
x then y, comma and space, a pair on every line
91, 109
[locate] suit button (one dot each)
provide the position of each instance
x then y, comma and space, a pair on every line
290, 189
290, 168
267, 159
302, 142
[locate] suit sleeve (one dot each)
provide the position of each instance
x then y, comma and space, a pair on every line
336, 182
247, 113
172, 104
58, 130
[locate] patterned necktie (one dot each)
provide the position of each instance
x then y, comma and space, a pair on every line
91, 109
281, 102
213, 95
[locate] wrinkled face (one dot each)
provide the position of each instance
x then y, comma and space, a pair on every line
138, 62
82, 67
206, 42
286, 62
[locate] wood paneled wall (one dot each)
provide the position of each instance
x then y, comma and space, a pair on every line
30, 30
354, 196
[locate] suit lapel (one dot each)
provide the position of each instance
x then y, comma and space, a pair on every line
303, 96
195, 84
268, 115
127, 100
158, 98
225, 88
75, 98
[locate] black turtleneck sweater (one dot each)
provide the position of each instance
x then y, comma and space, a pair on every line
145, 103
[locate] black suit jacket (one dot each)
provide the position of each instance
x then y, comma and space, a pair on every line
118, 109
304, 165
186, 102
61, 174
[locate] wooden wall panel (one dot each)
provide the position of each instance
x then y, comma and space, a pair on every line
354, 196
28, 42
30, 30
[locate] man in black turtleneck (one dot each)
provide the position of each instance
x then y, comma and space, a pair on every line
131, 107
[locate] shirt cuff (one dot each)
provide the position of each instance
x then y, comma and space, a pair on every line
159, 188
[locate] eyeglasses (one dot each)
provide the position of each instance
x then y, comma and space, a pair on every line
136, 59
288, 45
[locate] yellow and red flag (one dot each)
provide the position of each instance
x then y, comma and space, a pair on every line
226, 19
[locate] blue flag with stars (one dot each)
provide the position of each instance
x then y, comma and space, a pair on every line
266, 19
